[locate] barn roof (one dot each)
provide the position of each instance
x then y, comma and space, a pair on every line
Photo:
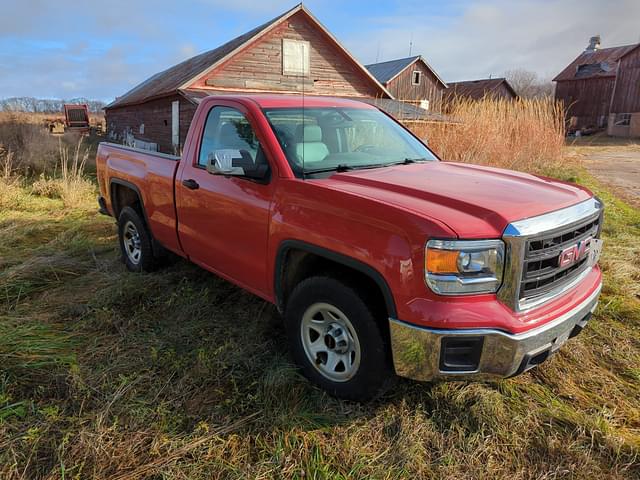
476, 89
593, 64
179, 76
387, 71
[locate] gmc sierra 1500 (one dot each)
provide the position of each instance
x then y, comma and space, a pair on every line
383, 259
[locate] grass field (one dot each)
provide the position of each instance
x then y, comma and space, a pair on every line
177, 374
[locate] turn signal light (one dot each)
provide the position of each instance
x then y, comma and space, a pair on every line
442, 261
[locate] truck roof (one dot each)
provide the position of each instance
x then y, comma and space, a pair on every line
296, 101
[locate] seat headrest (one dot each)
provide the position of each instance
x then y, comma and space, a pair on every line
309, 133
228, 131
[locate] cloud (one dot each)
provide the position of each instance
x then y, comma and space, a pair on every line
493, 36
100, 50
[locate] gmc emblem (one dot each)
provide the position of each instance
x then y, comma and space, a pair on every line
574, 253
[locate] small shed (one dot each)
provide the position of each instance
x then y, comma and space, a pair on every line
411, 80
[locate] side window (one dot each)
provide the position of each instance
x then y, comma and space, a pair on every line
228, 129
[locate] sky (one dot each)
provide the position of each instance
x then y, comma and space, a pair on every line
66, 49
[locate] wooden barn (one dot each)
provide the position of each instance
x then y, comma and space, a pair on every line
479, 89
411, 80
292, 53
601, 88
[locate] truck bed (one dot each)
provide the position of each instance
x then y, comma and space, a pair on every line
152, 175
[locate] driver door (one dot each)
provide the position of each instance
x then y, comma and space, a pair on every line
223, 221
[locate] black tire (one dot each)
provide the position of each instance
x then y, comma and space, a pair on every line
128, 221
374, 374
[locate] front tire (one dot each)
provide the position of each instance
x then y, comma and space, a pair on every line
336, 341
135, 242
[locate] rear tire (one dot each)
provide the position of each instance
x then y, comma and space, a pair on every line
336, 341
135, 242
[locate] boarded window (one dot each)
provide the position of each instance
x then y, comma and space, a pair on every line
416, 77
295, 57
175, 123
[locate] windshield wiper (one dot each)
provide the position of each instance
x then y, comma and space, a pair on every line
407, 161
345, 168
338, 168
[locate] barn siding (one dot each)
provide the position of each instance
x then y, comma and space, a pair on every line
259, 66
626, 97
587, 99
156, 117
430, 87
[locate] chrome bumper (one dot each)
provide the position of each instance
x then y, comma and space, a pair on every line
417, 351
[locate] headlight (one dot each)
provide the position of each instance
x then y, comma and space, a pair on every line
454, 267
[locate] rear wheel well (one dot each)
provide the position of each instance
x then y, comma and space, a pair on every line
296, 265
125, 196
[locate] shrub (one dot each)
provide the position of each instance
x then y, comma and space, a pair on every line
72, 187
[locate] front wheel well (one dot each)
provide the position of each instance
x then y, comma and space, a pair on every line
297, 264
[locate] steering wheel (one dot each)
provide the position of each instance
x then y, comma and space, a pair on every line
364, 148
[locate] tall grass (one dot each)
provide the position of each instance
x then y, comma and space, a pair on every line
71, 185
523, 134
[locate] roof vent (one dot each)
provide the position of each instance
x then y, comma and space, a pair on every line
594, 44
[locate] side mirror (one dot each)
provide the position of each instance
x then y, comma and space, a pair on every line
220, 162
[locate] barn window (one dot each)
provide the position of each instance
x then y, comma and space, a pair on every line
416, 77
623, 119
295, 57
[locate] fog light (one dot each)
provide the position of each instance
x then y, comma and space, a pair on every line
460, 354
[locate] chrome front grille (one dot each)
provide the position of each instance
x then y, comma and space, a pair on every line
541, 272
533, 274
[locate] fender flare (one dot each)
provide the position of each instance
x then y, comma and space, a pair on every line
287, 245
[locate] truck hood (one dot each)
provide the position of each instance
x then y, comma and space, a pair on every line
474, 201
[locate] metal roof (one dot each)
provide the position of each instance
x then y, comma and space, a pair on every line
476, 89
179, 76
597, 63
387, 71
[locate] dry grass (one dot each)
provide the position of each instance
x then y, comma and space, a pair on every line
178, 374
526, 135
34, 150
43, 118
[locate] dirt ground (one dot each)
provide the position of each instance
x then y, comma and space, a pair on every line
615, 163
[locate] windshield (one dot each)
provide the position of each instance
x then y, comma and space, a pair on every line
317, 140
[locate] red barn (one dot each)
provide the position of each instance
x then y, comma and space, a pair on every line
601, 87
290, 54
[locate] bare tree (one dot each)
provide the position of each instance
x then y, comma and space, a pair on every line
528, 84
46, 105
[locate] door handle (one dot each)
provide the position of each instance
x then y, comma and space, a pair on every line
191, 184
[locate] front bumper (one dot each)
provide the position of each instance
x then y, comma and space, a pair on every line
424, 353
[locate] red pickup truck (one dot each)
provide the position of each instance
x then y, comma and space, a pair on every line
383, 259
